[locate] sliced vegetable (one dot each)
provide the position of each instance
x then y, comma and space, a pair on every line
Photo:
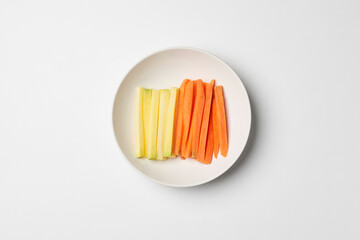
187, 152
169, 125
209, 143
215, 124
146, 118
223, 138
163, 107
179, 119
205, 120
197, 116
188, 104
153, 125
139, 128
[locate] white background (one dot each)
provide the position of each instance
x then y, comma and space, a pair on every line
61, 174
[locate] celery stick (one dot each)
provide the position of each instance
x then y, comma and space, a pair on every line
153, 124
170, 117
139, 128
164, 100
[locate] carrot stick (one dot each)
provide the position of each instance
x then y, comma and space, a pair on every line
219, 96
194, 91
209, 143
215, 126
188, 148
188, 104
197, 116
179, 120
187, 152
205, 120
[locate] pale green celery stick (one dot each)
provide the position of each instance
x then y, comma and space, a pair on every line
170, 119
139, 128
146, 118
164, 101
153, 124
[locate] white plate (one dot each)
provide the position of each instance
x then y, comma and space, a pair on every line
168, 68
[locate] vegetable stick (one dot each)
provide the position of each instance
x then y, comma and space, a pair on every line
219, 96
169, 122
139, 124
161, 132
188, 148
153, 125
197, 116
188, 102
215, 122
146, 117
179, 119
187, 152
209, 143
205, 120
194, 91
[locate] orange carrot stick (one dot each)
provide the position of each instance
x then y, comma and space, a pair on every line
188, 148
197, 116
223, 141
187, 152
209, 143
194, 91
188, 104
215, 123
179, 120
205, 121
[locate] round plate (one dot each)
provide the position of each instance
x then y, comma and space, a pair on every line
168, 68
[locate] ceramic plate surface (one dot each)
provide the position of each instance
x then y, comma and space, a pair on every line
168, 68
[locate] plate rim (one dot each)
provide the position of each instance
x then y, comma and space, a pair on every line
127, 71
